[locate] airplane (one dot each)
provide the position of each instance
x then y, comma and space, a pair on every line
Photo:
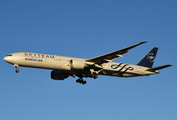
62, 67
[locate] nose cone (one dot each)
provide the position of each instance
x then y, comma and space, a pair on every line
5, 58
8, 58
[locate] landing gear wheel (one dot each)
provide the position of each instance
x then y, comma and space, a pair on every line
81, 81
78, 80
95, 76
84, 82
17, 71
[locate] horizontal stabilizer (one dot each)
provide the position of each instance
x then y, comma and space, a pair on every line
159, 68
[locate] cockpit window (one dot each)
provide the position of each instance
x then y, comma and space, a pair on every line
9, 55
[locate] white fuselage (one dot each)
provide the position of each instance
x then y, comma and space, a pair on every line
54, 62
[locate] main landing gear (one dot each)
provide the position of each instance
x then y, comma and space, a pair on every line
80, 80
16, 66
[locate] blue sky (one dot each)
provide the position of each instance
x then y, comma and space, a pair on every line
87, 29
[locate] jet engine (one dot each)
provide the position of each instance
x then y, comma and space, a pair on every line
58, 75
77, 64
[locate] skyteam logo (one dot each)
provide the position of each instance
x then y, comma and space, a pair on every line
121, 71
151, 57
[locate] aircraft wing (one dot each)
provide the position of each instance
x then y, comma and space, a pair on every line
113, 55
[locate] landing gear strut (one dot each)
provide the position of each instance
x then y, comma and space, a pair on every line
16, 66
81, 81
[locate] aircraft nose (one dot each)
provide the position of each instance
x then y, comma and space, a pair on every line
7, 58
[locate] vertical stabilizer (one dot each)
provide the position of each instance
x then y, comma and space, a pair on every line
148, 60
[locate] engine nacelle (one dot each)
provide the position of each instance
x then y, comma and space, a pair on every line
58, 75
77, 64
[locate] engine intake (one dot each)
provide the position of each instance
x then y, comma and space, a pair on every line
58, 75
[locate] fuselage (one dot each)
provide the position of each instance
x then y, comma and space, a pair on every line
54, 62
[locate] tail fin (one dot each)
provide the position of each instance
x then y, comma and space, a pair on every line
148, 60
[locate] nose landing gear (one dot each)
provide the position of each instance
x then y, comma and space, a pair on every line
16, 66
16, 71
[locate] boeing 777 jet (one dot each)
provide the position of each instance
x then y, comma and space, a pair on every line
63, 67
